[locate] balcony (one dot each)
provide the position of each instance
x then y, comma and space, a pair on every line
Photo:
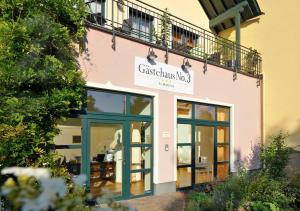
159, 28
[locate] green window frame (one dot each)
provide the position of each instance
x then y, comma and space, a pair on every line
215, 123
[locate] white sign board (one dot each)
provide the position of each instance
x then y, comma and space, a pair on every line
162, 76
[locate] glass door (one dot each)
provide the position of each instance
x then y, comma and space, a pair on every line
204, 154
106, 158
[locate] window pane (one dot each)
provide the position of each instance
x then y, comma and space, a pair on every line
222, 171
223, 134
140, 158
204, 153
184, 155
184, 110
71, 158
223, 114
141, 132
204, 112
184, 133
70, 132
223, 153
100, 101
140, 183
140, 105
106, 155
184, 177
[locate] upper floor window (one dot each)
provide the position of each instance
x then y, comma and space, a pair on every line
141, 24
96, 10
183, 39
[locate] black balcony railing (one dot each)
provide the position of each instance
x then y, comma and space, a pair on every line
159, 27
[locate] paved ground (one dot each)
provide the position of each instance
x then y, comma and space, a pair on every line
171, 201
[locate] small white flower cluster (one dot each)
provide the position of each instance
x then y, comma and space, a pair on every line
51, 188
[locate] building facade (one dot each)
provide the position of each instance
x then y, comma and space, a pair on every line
170, 105
276, 36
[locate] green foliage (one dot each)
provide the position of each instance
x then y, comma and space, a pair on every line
265, 189
229, 194
165, 27
263, 206
199, 201
40, 81
275, 156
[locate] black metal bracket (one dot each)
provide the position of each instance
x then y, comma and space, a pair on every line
167, 55
205, 66
235, 74
113, 40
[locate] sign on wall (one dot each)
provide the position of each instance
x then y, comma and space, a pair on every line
162, 76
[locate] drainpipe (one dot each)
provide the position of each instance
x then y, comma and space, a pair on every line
238, 39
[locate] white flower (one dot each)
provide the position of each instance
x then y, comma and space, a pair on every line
80, 179
52, 188
38, 173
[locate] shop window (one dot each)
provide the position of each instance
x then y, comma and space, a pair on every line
184, 155
204, 154
101, 101
184, 133
141, 132
184, 110
204, 112
223, 134
183, 40
140, 105
141, 24
222, 114
140, 183
67, 148
184, 177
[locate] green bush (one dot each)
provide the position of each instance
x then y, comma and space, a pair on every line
275, 156
229, 194
199, 201
262, 206
265, 189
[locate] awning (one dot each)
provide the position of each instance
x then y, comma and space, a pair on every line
215, 8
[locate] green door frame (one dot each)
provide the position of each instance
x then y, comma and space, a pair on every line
125, 120
196, 122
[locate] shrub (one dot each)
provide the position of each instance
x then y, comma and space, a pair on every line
275, 156
229, 194
199, 201
265, 189
262, 206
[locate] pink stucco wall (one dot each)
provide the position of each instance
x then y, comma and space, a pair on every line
101, 64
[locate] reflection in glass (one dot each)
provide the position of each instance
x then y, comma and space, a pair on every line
184, 110
70, 134
71, 159
222, 171
223, 114
106, 153
141, 132
184, 177
204, 153
184, 156
140, 183
140, 105
68, 130
184, 133
205, 112
100, 101
223, 153
140, 158
223, 134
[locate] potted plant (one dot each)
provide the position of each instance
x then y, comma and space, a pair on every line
251, 61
